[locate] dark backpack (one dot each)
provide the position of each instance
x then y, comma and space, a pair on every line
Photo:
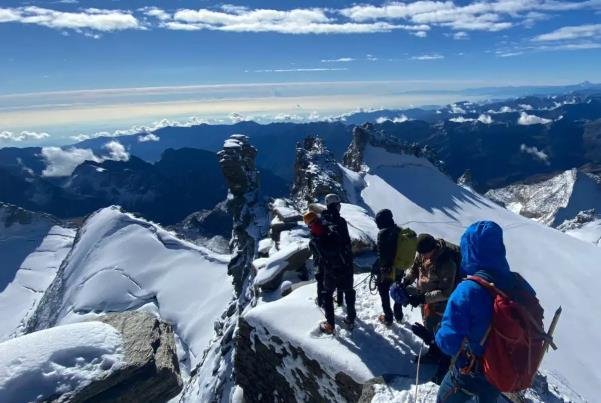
453, 252
514, 345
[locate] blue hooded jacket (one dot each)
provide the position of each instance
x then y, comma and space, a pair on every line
469, 309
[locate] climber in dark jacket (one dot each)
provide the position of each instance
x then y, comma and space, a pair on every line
335, 252
387, 249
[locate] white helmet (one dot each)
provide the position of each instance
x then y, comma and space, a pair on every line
332, 198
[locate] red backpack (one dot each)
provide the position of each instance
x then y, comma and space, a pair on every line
515, 341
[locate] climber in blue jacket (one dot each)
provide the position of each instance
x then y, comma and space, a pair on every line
469, 312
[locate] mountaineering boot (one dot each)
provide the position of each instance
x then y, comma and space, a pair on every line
326, 328
385, 321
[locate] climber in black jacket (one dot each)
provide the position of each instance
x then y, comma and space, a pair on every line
335, 250
387, 249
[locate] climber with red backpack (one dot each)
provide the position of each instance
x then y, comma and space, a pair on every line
492, 324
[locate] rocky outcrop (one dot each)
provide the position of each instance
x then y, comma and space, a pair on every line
237, 161
265, 377
367, 135
120, 357
151, 370
316, 173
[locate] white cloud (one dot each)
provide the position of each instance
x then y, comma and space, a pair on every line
6, 136
486, 119
339, 60
61, 162
300, 70
460, 35
148, 137
382, 119
480, 15
295, 21
400, 119
428, 57
157, 13
116, 151
526, 119
571, 32
420, 34
461, 119
81, 137
456, 109
89, 19
535, 152
500, 53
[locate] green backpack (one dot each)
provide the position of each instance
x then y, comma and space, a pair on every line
405, 250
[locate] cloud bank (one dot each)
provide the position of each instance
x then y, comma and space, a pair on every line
62, 162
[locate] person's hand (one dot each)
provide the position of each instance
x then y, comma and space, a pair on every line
420, 331
417, 299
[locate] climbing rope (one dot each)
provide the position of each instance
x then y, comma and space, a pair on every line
419, 358
362, 281
373, 283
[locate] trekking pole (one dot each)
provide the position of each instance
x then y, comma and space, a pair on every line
548, 340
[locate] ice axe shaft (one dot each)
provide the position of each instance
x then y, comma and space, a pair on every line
549, 339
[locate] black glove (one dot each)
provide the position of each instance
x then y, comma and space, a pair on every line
420, 331
417, 299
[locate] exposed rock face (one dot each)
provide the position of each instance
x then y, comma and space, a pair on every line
237, 161
316, 173
263, 374
466, 180
211, 228
151, 372
366, 135
554, 200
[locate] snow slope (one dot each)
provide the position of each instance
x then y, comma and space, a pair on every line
61, 360
370, 350
35, 273
589, 232
559, 266
121, 262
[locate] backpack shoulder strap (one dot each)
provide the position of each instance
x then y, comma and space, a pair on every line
489, 286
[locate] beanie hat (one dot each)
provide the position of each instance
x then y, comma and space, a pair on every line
384, 219
332, 198
425, 243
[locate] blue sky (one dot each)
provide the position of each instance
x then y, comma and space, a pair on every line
65, 46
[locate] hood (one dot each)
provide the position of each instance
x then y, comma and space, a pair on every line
482, 249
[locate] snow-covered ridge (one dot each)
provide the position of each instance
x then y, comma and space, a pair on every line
32, 247
558, 266
120, 262
554, 200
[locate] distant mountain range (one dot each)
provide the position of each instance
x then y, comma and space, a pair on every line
181, 182
170, 172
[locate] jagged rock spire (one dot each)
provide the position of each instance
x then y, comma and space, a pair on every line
237, 161
367, 135
316, 173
